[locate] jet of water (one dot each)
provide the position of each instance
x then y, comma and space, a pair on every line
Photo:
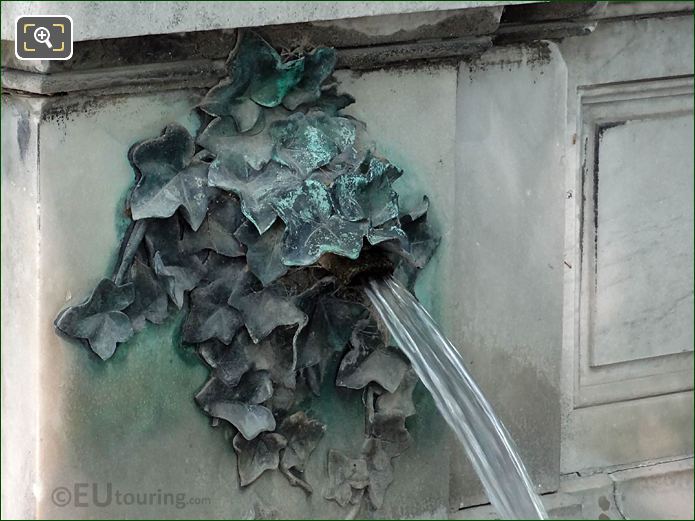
441, 369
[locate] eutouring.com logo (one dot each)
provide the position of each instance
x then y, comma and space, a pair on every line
100, 495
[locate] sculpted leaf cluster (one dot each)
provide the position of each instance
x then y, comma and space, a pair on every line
237, 227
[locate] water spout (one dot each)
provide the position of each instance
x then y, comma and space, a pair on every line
440, 367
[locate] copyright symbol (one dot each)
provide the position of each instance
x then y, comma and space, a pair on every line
60, 496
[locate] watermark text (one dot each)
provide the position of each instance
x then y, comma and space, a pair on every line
100, 495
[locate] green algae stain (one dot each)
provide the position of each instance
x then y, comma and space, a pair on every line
340, 409
145, 389
121, 218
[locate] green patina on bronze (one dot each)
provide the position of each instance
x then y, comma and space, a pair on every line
247, 242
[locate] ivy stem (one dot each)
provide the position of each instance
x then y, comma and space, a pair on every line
369, 408
130, 248
354, 510
295, 481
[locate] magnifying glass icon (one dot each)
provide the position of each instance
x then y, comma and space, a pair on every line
43, 35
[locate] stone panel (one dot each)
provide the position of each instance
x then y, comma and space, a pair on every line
507, 232
644, 285
627, 349
20, 294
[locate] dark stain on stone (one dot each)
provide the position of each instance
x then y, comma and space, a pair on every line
583, 203
525, 13
534, 55
603, 516
604, 503
135, 50
23, 134
600, 130
426, 65
66, 106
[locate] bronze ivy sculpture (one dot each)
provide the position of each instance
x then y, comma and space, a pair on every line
258, 229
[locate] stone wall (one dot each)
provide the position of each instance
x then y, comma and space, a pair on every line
494, 112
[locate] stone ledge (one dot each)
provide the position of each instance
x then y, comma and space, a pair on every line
196, 59
137, 78
101, 19
651, 490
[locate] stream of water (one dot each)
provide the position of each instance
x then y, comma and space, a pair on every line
441, 369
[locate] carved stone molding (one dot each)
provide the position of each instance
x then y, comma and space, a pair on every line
632, 342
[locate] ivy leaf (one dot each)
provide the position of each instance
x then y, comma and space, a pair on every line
423, 242
349, 160
306, 300
274, 79
283, 400
345, 475
250, 420
164, 155
217, 231
254, 387
370, 361
415, 213
100, 319
274, 354
264, 252
331, 103
269, 78
382, 366
303, 435
265, 310
225, 99
239, 405
367, 194
164, 235
330, 326
258, 455
420, 245
169, 178
318, 66
221, 136
177, 270
221, 99
380, 470
313, 228
406, 274
229, 363
399, 402
366, 336
307, 142
256, 189
240, 68
313, 377
390, 430
178, 275
377, 168
210, 316
204, 155
389, 231
150, 301
257, 72
245, 113
344, 163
